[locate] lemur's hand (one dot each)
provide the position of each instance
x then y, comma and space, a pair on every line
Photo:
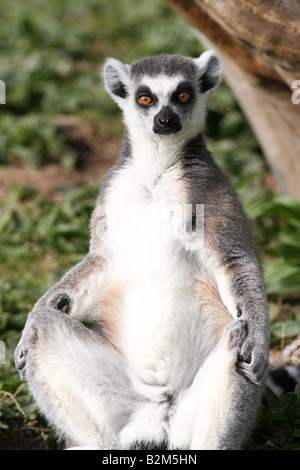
29, 336
253, 360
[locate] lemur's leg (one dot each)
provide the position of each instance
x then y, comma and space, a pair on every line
218, 409
77, 294
79, 290
77, 378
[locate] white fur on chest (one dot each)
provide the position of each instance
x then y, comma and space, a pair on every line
144, 218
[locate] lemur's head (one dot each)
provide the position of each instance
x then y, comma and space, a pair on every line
164, 95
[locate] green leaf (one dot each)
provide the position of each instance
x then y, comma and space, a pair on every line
285, 329
281, 277
286, 206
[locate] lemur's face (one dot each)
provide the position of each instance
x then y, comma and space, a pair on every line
163, 95
164, 104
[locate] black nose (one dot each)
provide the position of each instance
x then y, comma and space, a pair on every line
166, 122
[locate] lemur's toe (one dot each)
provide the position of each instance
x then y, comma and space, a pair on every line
236, 332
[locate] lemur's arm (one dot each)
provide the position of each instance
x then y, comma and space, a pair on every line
241, 288
238, 276
230, 256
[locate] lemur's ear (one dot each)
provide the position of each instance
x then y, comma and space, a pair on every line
209, 71
116, 79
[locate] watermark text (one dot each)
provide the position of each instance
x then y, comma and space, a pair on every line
296, 354
296, 93
2, 92
2, 353
144, 224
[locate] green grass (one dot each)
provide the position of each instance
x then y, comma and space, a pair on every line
50, 57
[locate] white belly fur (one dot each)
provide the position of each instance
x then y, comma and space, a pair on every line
153, 266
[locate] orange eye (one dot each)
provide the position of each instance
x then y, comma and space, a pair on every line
184, 96
145, 100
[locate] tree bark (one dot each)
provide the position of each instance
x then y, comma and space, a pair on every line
258, 41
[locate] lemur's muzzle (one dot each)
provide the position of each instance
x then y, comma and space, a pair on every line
166, 122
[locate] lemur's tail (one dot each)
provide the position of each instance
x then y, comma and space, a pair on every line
283, 379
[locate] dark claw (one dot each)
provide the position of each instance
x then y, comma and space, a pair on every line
63, 303
238, 311
254, 365
245, 358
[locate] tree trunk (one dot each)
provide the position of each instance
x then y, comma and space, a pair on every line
258, 41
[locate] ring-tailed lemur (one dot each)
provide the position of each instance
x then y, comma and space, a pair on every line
171, 277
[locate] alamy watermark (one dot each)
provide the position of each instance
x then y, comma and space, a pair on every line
295, 347
2, 92
2, 353
144, 224
296, 93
